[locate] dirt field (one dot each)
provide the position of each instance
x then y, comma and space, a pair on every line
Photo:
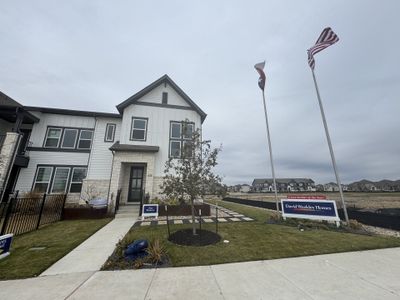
370, 201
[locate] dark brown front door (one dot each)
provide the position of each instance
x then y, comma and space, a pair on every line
136, 184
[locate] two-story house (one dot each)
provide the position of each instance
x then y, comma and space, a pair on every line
95, 154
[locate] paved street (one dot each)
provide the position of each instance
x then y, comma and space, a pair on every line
371, 274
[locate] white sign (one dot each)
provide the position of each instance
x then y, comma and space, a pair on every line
5, 245
150, 210
310, 209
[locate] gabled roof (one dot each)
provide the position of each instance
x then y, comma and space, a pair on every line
164, 79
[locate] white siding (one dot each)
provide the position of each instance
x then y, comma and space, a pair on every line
155, 96
26, 175
157, 128
39, 129
101, 156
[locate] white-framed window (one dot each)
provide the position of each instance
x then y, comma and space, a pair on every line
175, 149
60, 180
85, 139
180, 136
78, 174
139, 129
53, 136
110, 133
69, 138
42, 179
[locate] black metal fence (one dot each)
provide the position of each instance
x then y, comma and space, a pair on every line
383, 220
24, 214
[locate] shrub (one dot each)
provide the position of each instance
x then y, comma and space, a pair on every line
354, 224
156, 252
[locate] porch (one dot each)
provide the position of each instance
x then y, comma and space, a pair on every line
132, 173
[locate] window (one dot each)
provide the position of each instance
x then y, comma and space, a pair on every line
60, 180
110, 133
53, 137
42, 180
139, 129
175, 147
180, 139
85, 139
69, 138
164, 98
78, 174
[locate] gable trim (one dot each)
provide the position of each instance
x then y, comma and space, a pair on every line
166, 80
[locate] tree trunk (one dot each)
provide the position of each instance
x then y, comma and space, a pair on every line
193, 218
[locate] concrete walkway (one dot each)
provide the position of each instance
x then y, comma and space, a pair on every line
354, 275
92, 253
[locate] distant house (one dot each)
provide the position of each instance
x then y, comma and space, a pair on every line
331, 187
239, 188
265, 185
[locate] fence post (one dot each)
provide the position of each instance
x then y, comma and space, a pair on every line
41, 210
63, 206
7, 217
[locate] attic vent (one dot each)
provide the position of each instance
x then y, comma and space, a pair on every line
164, 98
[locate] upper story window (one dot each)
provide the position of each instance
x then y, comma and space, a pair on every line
53, 137
139, 129
180, 139
110, 133
164, 98
68, 138
85, 139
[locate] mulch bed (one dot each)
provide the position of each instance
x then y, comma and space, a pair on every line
185, 237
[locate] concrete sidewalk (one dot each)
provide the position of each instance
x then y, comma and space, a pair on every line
371, 274
93, 253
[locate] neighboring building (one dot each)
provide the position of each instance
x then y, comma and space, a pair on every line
94, 154
283, 185
331, 187
239, 188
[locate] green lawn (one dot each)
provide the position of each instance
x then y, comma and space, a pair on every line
58, 238
256, 241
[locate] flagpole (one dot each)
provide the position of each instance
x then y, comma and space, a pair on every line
330, 147
270, 152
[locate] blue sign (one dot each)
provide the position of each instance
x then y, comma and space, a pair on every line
310, 209
5, 245
150, 210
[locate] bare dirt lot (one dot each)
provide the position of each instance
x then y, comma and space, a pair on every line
368, 201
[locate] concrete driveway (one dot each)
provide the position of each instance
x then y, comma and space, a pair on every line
371, 274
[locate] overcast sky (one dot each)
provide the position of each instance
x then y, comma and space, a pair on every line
92, 55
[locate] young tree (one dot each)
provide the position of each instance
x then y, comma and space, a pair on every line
187, 174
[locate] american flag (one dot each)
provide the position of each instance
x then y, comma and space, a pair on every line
260, 69
326, 39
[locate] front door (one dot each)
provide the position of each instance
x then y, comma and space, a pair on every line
136, 184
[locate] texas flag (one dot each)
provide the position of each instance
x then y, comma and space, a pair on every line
260, 69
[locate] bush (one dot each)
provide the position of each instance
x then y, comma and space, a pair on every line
355, 225
156, 252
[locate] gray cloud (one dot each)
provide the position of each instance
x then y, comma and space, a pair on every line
93, 55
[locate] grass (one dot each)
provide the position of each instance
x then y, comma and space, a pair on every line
254, 241
58, 238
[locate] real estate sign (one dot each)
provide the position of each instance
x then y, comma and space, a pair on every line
150, 210
5, 244
310, 209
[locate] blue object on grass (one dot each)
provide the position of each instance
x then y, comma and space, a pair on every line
135, 250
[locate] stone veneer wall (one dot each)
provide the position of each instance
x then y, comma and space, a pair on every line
94, 189
157, 181
6, 155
